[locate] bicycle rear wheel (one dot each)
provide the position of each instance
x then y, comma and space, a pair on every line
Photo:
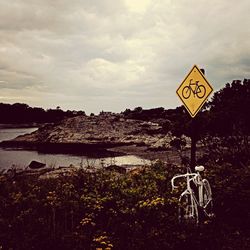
186, 92
207, 199
188, 210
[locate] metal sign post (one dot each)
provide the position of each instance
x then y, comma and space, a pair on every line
193, 146
193, 92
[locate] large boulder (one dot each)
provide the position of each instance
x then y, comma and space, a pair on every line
36, 165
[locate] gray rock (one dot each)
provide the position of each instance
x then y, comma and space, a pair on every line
36, 165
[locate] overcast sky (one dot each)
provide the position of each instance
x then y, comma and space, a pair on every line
111, 55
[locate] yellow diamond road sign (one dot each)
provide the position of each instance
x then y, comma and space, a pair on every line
194, 91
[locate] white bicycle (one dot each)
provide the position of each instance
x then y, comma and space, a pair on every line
195, 201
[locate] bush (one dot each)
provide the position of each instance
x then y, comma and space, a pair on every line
110, 211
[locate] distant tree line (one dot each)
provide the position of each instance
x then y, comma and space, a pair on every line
22, 113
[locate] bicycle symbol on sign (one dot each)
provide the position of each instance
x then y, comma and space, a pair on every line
198, 90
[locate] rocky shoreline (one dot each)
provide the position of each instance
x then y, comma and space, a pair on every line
94, 132
103, 135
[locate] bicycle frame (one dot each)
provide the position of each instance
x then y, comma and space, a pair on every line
194, 84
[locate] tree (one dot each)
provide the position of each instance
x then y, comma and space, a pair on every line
22, 113
230, 109
229, 124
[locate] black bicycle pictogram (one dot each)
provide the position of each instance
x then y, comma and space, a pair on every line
198, 90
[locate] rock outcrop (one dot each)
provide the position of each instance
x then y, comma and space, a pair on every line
102, 131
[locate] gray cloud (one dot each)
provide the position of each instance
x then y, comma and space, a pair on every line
109, 55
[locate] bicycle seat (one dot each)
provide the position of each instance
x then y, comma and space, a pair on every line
199, 168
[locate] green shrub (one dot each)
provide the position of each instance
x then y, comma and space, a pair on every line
110, 211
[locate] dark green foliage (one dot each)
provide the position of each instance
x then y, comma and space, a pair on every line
132, 211
228, 124
178, 143
146, 115
230, 109
75, 211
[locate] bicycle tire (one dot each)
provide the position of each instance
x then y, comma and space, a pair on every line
207, 198
201, 91
188, 210
186, 92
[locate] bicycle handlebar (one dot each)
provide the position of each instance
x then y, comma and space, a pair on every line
181, 175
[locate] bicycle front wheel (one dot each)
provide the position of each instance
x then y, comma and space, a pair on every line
188, 210
201, 91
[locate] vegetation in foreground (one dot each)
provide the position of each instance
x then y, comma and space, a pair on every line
111, 211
